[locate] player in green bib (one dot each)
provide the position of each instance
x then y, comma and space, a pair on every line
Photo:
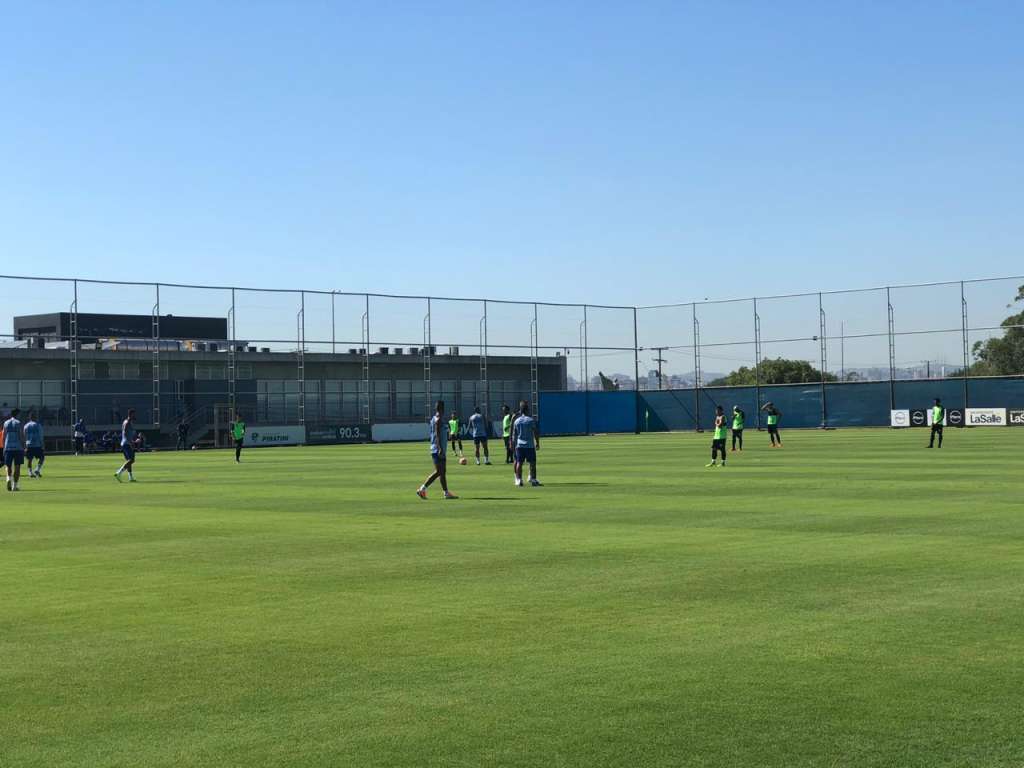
238, 433
774, 414
738, 420
718, 442
938, 419
506, 433
454, 436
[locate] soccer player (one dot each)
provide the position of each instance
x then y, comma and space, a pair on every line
438, 453
14, 449
80, 431
182, 436
938, 416
506, 433
478, 430
774, 414
34, 445
738, 420
127, 447
718, 442
238, 433
453, 431
526, 437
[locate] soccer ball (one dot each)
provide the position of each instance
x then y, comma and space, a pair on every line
462, 460
195, 447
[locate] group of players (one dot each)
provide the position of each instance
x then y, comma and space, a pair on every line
739, 417
519, 432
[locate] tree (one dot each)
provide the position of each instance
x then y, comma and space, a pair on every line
1002, 355
777, 371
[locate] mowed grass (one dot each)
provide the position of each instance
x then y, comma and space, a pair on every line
850, 600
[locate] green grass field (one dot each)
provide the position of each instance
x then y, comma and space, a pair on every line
849, 600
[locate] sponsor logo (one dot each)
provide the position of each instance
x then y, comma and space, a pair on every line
1016, 418
986, 417
355, 433
899, 418
919, 418
955, 417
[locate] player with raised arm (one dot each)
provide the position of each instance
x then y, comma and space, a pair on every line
526, 437
127, 447
774, 414
718, 441
14, 449
478, 431
438, 453
738, 420
34, 445
938, 418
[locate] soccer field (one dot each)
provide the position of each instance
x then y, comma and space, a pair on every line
851, 599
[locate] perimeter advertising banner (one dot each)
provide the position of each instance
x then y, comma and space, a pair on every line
899, 418
986, 417
334, 434
262, 436
1016, 418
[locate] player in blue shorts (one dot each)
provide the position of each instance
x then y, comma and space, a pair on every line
127, 446
34, 445
526, 438
438, 453
14, 449
478, 431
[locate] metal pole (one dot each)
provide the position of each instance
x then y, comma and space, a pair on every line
966, 341
586, 373
636, 371
535, 377
156, 359
892, 350
333, 348
823, 333
842, 350
757, 362
696, 370
233, 380
73, 347
366, 361
484, 377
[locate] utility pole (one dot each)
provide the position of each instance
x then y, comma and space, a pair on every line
842, 351
659, 360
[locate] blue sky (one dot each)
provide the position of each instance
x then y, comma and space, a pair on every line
632, 153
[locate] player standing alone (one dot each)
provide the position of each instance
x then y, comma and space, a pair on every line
438, 453
34, 445
127, 446
506, 433
718, 442
773, 424
738, 420
456, 438
478, 430
238, 433
938, 417
14, 450
526, 437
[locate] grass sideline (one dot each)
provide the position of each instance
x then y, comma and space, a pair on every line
850, 600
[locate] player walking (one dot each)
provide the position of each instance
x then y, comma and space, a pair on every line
738, 420
182, 436
774, 414
478, 431
14, 449
506, 433
526, 437
127, 446
79, 437
718, 442
938, 417
34, 445
238, 433
438, 453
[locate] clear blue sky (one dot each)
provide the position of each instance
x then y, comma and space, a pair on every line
623, 153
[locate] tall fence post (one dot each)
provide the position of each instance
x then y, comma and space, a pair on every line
156, 358
333, 326
486, 399
366, 362
966, 343
823, 337
585, 343
300, 332
73, 349
892, 349
636, 371
534, 366
232, 362
696, 370
757, 362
